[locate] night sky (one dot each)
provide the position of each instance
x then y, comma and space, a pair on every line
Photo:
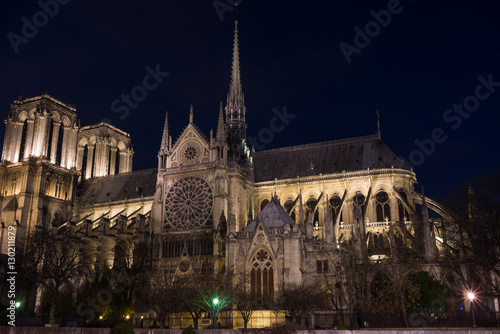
430, 56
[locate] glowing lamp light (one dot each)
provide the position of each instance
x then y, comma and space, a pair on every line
100, 317
215, 301
127, 316
471, 297
18, 304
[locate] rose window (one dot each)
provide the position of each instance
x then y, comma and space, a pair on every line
262, 255
188, 204
190, 153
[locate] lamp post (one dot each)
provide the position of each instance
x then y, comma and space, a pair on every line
215, 301
471, 297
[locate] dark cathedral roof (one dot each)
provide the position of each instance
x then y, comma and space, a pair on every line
118, 187
351, 154
272, 216
329, 157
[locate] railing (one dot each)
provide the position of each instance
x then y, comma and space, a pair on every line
376, 224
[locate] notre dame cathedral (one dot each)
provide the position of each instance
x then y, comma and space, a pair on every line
212, 203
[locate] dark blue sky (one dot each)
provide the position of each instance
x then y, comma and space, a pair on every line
425, 60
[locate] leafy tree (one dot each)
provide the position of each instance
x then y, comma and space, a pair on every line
432, 293
212, 295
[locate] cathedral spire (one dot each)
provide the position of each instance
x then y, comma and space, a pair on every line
165, 139
191, 114
235, 108
220, 135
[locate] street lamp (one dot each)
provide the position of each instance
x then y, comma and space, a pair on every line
471, 297
215, 302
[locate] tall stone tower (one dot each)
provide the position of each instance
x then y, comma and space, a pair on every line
204, 187
37, 171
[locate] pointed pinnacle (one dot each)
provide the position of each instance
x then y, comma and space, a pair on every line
165, 138
235, 107
220, 124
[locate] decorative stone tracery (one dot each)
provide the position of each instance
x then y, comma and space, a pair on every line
188, 204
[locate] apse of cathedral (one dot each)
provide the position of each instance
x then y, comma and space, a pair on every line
212, 204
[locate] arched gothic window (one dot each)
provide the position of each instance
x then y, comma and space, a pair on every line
85, 155
359, 207
383, 207
335, 202
262, 276
117, 161
289, 208
263, 204
398, 238
60, 138
403, 213
311, 205
23, 140
378, 241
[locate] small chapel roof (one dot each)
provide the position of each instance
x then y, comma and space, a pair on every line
273, 215
118, 187
350, 154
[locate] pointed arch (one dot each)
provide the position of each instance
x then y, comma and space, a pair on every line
382, 206
262, 274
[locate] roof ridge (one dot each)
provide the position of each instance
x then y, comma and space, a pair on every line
97, 125
336, 141
46, 96
122, 174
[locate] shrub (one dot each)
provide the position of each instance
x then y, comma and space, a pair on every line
340, 324
188, 330
123, 328
356, 323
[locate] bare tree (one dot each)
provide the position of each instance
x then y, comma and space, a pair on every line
475, 229
56, 262
299, 300
472, 238
160, 294
133, 266
189, 295
246, 305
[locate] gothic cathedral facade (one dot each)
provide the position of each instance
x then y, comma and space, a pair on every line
212, 204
